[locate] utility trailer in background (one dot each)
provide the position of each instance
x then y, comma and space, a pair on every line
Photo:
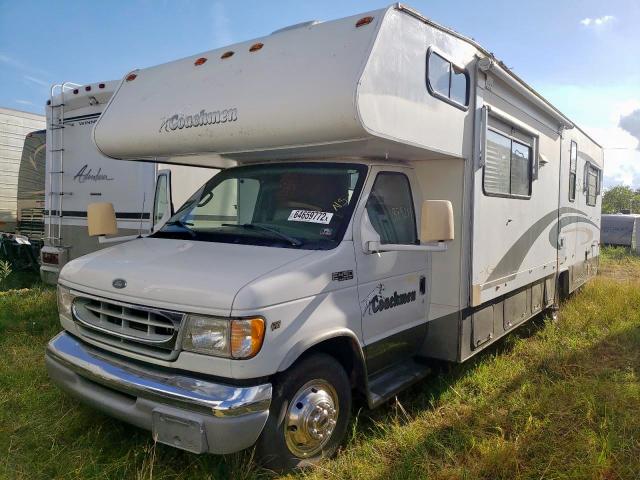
399, 195
144, 194
621, 230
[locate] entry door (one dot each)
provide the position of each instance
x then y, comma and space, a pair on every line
391, 285
162, 206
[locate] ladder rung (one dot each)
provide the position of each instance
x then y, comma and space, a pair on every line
57, 150
56, 106
57, 127
51, 173
60, 193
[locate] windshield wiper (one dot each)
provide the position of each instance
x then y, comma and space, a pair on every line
181, 224
257, 226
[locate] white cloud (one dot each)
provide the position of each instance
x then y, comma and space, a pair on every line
18, 65
35, 80
631, 123
621, 154
587, 22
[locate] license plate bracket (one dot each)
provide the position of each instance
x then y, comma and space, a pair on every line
180, 430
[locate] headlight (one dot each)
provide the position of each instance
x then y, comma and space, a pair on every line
223, 337
65, 300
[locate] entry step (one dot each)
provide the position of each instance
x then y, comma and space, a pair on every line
386, 384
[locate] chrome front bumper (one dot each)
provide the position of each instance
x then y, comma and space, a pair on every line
219, 418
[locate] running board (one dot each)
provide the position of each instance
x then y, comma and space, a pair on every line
386, 384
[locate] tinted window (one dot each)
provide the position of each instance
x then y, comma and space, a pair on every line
287, 205
439, 73
390, 209
447, 81
458, 86
592, 185
162, 201
507, 169
497, 166
573, 163
520, 168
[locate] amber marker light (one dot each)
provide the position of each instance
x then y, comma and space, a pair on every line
131, 77
255, 47
200, 61
246, 337
226, 55
364, 21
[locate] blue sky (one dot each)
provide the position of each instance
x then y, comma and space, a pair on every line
584, 56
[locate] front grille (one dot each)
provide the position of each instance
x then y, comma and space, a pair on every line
144, 330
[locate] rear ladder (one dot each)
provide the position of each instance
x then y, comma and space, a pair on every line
56, 168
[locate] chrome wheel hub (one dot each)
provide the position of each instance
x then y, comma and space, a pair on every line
311, 418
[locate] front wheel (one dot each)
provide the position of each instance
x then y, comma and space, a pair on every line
308, 416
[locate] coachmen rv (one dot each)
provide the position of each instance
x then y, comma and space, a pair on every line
399, 195
77, 174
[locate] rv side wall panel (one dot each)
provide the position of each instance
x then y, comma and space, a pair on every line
514, 242
14, 127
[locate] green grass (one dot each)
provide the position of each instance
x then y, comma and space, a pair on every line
554, 400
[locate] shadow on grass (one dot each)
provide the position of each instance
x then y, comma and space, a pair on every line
566, 415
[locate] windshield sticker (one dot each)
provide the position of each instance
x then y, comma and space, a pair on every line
310, 216
326, 232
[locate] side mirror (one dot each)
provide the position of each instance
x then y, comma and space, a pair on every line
101, 219
437, 221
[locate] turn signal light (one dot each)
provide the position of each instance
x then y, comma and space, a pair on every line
200, 61
255, 47
246, 337
364, 21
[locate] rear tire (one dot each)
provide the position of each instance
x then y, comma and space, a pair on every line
308, 416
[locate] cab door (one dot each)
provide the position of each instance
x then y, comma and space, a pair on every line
162, 205
391, 285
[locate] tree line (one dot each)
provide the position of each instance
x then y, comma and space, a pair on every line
621, 199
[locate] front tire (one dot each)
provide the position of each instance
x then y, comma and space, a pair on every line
309, 414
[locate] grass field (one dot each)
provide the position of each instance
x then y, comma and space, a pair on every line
554, 400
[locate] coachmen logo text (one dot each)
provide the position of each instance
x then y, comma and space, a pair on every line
201, 119
376, 301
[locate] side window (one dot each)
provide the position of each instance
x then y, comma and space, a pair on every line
593, 176
161, 205
390, 209
573, 165
507, 169
447, 81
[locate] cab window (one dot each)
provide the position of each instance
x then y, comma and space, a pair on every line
390, 209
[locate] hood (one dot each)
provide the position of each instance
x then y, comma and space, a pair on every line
183, 275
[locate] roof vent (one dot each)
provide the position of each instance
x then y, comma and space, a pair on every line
310, 23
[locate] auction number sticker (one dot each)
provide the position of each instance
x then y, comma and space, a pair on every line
310, 216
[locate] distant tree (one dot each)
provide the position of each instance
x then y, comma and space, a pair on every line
621, 198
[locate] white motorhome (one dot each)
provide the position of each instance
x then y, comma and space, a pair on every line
399, 195
77, 174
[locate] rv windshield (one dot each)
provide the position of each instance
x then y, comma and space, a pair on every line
292, 205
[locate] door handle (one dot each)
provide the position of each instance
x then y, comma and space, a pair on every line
423, 285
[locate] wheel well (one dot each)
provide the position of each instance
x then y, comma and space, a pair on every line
348, 353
